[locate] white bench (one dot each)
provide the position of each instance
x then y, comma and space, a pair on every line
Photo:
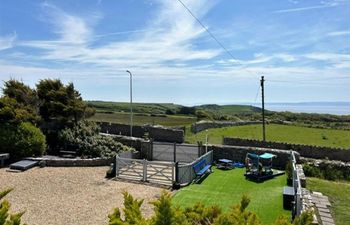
3, 156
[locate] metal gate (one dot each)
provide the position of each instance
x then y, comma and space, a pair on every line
143, 170
173, 152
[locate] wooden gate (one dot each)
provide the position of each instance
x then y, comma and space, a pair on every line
146, 171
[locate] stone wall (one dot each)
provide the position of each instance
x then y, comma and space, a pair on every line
157, 133
122, 129
78, 162
237, 153
331, 167
166, 134
204, 125
308, 151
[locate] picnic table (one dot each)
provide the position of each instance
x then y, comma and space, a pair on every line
225, 164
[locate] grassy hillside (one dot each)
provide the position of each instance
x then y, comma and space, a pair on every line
281, 133
161, 108
150, 108
124, 118
338, 193
230, 109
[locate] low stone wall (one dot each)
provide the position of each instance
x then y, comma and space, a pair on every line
157, 133
166, 134
308, 151
76, 162
122, 129
342, 169
204, 125
238, 153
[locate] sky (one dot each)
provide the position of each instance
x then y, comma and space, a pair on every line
301, 47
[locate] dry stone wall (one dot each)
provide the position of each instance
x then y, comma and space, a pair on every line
308, 151
157, 133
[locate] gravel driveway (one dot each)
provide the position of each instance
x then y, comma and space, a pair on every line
74, 195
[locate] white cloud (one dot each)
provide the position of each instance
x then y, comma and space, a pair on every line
323, 4
7, 41
339, 33
164, 40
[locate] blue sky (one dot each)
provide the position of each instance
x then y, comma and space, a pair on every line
301, 47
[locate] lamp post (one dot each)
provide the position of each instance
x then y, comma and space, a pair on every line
130, 102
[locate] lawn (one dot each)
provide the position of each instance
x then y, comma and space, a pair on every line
274, 132
124, 118
339, 195
225, 188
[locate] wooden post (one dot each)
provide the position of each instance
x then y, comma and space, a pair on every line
144, 179
174, 151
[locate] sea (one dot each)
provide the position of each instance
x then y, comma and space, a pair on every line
337, 108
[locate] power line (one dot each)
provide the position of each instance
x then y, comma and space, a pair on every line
257, 94
213, 36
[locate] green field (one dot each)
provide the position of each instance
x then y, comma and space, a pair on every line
225, 188
339, 196
124, 118
280, 133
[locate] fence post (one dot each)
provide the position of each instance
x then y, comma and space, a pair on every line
144, 162
174, 151
116, 166
151, 150
199, 148
173, 173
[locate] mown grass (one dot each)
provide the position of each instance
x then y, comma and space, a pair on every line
339, 196
225, 188
124, 118
280, 133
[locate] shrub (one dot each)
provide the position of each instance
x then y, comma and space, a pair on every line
312, 171
85, 135
21, 140
5, 217
167, 214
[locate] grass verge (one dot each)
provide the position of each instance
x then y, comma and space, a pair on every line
339, 196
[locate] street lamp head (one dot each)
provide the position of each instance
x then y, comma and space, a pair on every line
128, 71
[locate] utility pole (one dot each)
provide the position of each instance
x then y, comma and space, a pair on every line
263, 106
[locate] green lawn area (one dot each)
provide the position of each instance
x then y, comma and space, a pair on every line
225, 188
124, 118
339, 196
274, 132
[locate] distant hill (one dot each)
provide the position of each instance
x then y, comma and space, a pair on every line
170, 108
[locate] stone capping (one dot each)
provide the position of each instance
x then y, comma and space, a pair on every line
308, 151
76, 162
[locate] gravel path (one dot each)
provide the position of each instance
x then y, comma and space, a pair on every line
75, 195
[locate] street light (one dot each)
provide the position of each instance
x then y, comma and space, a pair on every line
130, 102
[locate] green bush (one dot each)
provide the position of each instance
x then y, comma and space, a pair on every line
86, 137
167, 214
21, 140
326, 171
5, 217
